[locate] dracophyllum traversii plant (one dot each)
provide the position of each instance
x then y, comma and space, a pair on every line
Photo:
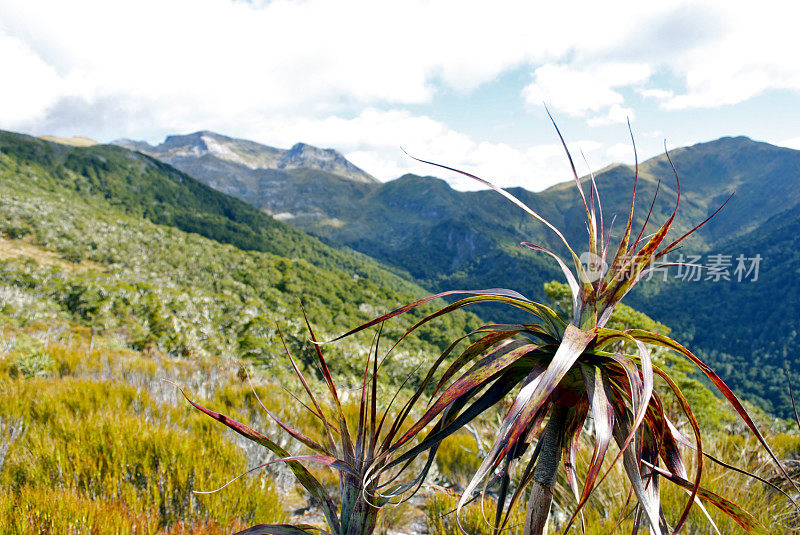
559, 373
353, 453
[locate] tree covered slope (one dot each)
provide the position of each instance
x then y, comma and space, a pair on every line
118, 240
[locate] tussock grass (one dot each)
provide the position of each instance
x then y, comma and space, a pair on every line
93, 446
608, 508
475, 519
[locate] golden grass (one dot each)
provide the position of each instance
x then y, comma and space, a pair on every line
475, 518
108, 448
99, 454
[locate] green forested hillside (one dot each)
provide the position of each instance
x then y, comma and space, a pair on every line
144, 249
748, 329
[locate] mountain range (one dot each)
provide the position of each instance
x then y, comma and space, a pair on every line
448, 239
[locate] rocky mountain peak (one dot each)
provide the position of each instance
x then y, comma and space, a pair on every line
186, 148
304, 155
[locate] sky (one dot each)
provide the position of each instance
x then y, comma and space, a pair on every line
458, 82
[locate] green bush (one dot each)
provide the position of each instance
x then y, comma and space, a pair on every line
31, 364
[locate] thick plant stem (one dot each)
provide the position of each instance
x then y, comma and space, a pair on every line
544, 475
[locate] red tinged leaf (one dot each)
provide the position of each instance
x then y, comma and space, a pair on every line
640, 395
499, 339
497, 391
319, 412
572, 432
298, 435
571, 163
470, 353
630, 462
485, 369
282, 529
745, 520
674, 244
303, 476
622, 249
531, 399
687, 410
574, 287
347, 441
516, 424
677, 436
603, 415
498, 295
596, 195
664, 341
309, 442
647, 218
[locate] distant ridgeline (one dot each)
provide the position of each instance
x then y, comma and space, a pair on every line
446, 239
116, 240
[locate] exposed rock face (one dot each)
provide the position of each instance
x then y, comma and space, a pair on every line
302, 155
188, 149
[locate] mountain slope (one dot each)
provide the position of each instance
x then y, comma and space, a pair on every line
160, 258
748, 328
301, 183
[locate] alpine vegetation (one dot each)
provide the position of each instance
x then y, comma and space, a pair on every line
356, 455
567, 379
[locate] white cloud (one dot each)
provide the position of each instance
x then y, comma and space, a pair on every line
740, 52
185, 62
373, 140
579, 91
620, 153
615, 114
659, 94
572, 91
29, 85
232, 58
712, 53
320, 71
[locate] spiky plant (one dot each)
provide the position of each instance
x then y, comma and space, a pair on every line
353, 454
560, 373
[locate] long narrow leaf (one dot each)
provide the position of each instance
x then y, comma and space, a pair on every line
347, 441
282, 529
603, 415
664, 341
631, 465
303, 476
319, 412
484, 370
747, 521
